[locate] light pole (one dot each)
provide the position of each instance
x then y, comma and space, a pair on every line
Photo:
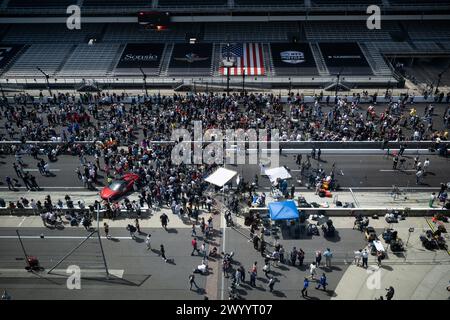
46, 80
243, 80
337, 84
144, 77
290, 87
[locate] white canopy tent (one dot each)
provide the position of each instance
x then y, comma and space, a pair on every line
276, 173
221, 176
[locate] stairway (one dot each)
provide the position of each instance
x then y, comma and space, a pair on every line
215, 59
268, 61
320, 61
69, 53
375, 60
167, 54
116, 59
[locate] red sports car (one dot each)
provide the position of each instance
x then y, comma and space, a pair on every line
119, 187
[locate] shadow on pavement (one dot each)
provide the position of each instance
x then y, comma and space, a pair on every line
278, 294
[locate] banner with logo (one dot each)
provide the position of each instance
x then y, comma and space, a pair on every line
7, 52
293, 59
140, 55
191, 57
345, 58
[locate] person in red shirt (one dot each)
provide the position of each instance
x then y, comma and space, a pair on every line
194, 246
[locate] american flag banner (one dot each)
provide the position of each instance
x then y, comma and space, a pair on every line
247, 57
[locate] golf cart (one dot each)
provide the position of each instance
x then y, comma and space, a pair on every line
370, 234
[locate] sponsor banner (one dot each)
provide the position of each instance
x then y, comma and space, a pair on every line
191, 56
344, 58
7, 52
141, 55
293, 58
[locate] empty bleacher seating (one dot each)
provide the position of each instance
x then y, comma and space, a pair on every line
269, 3
128, 33
49, 33
344, 3
90, 60
430, 30
251, 32
191, 3
39, 3
346, 31
116, 3
427, 46
390, 46
48, 57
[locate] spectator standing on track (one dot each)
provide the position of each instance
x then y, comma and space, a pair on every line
419, 175
318, 257
192, 282
163, 253
432, 199
312, 270
106, 227
357, 258
164, 220
148, 241
305, 287
426, 165
193, 233
322, 282
194, 246
328, 255
365, 258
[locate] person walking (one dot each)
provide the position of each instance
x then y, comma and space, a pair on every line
322, 282
164, 220
266, 269
242, 272
10, 184
426, 165
193, 233
379, 257
253, 279
357, 258
390, 293
138, 228
318, 257
395, 163
294, 254
319, 153
312, 270
132, 230
301, 256
194, 246
328, 255
192, 282
432, 199
271, 284
305, 288
419, 175
238, 277
106, 227
163, 253
365, 258
148, 242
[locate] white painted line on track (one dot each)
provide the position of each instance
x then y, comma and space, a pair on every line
22, 221
20, 273
61, 237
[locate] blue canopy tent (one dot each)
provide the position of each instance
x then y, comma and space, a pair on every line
283, 210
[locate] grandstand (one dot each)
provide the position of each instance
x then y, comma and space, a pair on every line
292, 47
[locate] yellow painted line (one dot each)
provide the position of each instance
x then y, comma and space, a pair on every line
432, 229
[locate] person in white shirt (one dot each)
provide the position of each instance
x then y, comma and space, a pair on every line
426, 164
357, 258
148, 242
